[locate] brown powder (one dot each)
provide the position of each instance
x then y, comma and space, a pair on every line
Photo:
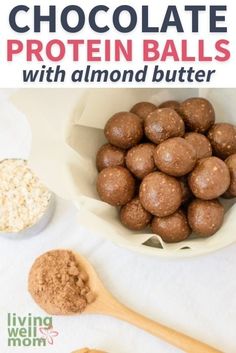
58, 284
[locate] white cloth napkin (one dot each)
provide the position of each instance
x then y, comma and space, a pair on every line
196, 296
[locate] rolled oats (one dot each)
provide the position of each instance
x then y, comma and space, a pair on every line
23, 197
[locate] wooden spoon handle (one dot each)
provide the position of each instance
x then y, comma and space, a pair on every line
176, 338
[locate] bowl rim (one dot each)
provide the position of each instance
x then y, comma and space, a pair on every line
151, 250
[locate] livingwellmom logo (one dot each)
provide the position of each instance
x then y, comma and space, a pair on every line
30, 331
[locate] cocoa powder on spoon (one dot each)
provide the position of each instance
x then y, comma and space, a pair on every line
58, 284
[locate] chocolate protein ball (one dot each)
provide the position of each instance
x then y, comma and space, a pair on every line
115, 185
143, 109
231, 164
159, 159
160, 194
205, 217
209, 179
162, 124
200, 143
186, 192
198, 114
134, 216
175, 156
223, 139
173, 228
140, 161
124, 130
109, 156
170, 104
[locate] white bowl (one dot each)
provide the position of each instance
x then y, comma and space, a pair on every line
67, 128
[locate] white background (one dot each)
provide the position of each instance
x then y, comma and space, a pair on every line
196, 296
11, 73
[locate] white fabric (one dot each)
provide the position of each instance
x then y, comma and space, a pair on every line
194, 295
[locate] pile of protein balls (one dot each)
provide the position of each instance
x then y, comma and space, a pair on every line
167, 166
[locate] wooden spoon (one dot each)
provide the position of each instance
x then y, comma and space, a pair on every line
106, 304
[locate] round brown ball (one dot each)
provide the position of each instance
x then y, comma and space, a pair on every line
205, 217
198, 114
175, 156
223, 139
162, 124
109, 156
124, 130
160, 194
172, 104
200, 143
210, 178
143, 109
134, 216
173, 228
115, 185
140, 161
231, 164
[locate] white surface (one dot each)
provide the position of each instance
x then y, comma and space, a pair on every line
15, 136
196, 296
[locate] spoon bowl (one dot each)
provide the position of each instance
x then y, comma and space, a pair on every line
106, 304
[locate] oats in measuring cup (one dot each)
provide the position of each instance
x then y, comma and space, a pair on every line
23, 197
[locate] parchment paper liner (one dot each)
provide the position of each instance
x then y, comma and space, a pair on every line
67, 128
